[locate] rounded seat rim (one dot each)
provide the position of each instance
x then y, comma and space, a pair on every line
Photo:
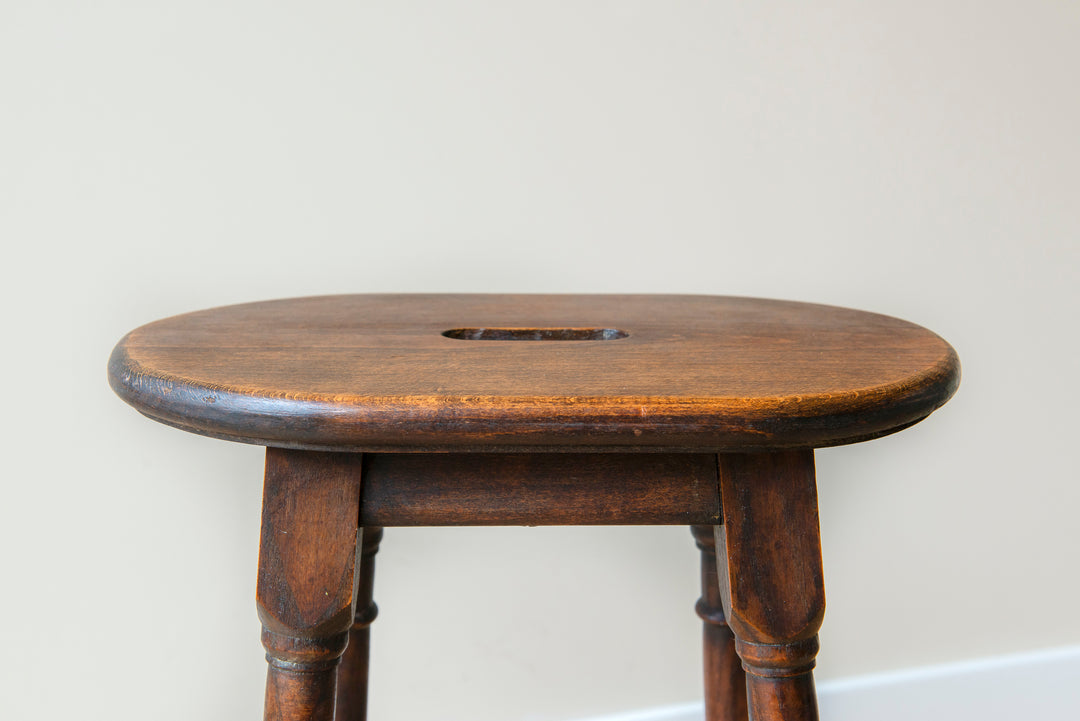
508, 423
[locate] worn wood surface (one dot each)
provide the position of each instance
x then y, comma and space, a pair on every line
725, 680
376, 372
352, 684
306, 586
769, 550
539, 489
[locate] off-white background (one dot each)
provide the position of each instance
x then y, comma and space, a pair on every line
919, 159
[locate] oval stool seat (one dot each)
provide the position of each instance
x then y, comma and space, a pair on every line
535, 372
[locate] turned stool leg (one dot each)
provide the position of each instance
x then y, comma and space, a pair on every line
353, 672
725, 680
770, 577
307, 558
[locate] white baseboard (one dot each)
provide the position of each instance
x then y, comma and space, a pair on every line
1044, 685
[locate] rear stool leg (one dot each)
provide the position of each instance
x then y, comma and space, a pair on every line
307, 558
353, 672
770, 577
725, 680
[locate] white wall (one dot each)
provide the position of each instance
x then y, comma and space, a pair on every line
919, 159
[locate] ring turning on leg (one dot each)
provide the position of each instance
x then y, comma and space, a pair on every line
770, 577
352, 687
725, 680
307, 559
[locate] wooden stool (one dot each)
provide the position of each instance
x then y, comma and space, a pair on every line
439, 410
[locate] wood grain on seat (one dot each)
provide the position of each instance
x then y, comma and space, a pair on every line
535, 373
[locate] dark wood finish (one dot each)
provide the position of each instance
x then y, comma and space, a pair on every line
307, 560
535, 489
531, 410
375, 372
725, 680
771, 579
352, 691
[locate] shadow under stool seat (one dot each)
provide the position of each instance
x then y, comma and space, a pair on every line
442, 410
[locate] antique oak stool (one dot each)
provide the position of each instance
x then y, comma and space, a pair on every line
433, 410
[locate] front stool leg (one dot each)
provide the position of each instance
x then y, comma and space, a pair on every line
770, 578
725, 680
352, 688
306, 588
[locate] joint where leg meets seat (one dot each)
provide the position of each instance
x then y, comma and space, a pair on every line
307, 582
440, 410
771, 578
